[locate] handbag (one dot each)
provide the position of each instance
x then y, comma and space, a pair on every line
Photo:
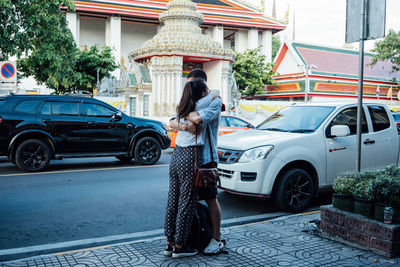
205, 177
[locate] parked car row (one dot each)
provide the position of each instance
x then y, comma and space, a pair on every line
37, 129
228, 124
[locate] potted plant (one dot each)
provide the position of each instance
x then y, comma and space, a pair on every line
363, 203
385, 190
380, 194
343, 198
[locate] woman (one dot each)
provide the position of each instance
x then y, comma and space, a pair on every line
181, 196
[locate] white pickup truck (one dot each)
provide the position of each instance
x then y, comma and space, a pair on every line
303, 148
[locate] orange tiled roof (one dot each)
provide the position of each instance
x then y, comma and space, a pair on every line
216, 12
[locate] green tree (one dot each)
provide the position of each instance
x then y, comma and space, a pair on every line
252, 74
36, 32
87, 64
388, 49
78, 72
28, 24
276, 44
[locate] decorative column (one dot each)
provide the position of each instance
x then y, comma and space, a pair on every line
74, 25
252, 38
225, 84
113, 38
266, 48
218, 35
166, 74
240, 41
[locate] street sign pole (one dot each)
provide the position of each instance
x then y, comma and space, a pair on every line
363, 23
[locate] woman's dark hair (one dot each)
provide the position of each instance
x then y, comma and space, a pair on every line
192, 92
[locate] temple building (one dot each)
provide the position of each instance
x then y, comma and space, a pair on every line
158, 42
321, 73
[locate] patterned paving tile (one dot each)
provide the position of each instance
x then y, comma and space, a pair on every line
274, 243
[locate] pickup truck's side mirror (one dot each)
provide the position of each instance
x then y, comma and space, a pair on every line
340, 131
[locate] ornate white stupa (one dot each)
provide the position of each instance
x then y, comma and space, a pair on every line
180, 41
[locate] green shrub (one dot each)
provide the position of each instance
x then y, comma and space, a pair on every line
385, 189
344, 185
382, 185
391, 171
363, 189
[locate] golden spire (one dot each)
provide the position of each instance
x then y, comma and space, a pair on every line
286, 20
274, 10
123, 63
294, 25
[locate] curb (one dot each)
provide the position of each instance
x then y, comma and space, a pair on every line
31, 251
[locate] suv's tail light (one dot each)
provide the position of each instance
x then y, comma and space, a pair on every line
1, 119
397, 123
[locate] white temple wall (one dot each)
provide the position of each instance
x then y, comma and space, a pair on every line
227, 44
113, 36
133, 36
217, 78
92, 31
289, 65
73, 24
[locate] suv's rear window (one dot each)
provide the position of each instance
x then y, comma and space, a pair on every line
60, 108
27, 106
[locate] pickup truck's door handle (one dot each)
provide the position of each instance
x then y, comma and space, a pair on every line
368, 141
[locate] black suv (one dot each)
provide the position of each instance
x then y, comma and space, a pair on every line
37, 128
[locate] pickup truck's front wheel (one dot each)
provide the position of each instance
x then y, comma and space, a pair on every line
294, 190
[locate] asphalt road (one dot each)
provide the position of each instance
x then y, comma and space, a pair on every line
94, 197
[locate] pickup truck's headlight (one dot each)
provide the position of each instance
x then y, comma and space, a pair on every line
255, 154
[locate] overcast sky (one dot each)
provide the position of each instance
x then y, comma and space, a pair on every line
324, 21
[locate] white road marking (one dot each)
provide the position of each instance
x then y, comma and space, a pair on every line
83, 170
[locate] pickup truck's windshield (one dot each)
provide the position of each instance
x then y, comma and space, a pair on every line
296, 119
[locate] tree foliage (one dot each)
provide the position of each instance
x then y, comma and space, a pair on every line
36, 32
28, 24
388, 49
87, 64
252, 73
276, 44
79, 72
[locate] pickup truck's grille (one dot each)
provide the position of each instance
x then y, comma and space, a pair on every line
228, 156
225, 173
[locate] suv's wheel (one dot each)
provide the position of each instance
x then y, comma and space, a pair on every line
294, 190
32, 155
147, 151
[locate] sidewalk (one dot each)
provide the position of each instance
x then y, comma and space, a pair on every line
278, 242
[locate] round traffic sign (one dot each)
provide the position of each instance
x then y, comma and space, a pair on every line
7, 71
